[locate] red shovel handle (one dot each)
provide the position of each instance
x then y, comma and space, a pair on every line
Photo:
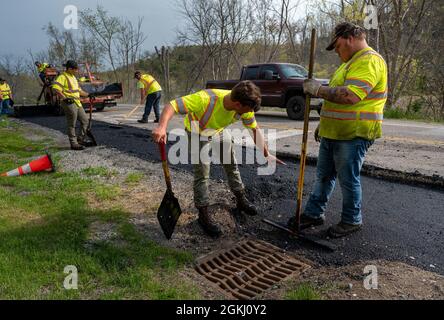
166, 171
163, 155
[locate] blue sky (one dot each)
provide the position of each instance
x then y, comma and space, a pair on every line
21, 26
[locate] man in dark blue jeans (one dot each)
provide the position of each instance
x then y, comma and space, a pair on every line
151, 91
351, 120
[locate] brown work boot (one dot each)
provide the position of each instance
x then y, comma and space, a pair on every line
306, 222
208, 224
244, 205
343, 229
76, 146
86, 143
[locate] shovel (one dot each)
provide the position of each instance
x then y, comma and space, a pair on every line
88, 131
169, 210
296, 229
119, 123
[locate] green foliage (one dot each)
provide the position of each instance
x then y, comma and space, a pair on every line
304, 291
46, 224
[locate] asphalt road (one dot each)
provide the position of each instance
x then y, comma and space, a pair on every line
401, 222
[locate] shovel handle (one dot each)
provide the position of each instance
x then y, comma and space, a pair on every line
166, 171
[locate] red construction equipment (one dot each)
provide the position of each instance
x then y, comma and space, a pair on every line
105, 94
41, 164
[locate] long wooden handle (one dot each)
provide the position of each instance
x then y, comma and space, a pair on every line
131, 112
305, 135
166, 170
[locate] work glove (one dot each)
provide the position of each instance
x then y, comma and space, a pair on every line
311, 86
316, 134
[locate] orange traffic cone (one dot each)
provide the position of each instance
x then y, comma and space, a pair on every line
42, 164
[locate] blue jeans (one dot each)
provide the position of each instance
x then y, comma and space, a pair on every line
5, 107
152, 99
342, 159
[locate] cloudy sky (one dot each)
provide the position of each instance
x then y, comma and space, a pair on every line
22, 21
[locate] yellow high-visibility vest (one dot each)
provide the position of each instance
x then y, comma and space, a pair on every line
365, 74
5, 91
149, 84
68, 85
42, 67
205, 110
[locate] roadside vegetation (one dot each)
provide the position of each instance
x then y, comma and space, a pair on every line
46, 225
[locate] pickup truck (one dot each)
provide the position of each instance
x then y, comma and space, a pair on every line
280, 84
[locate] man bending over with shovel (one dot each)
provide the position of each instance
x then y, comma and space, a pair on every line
208, 113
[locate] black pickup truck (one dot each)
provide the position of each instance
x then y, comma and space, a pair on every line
280, 84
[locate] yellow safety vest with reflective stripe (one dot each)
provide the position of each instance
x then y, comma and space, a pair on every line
42, 67
206, 114
68, 85
365, 74
5, 91
149, 84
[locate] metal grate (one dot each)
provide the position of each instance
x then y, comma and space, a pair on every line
248, 268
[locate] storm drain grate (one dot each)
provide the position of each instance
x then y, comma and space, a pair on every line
248, 268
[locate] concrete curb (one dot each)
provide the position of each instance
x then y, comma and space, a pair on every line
373, 171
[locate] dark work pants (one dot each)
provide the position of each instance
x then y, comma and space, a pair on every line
152, 99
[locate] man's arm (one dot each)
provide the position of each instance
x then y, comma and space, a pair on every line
159, 133
142, 96
259, 141
340, 95
83, 93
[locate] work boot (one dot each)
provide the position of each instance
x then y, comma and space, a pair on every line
343, 229
306, 222
142, 121
86, 143
207, 223
76, 146
244, 205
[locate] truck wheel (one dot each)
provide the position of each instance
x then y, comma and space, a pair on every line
100, 108
296, 108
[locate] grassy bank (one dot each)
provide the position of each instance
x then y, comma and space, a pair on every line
46, 223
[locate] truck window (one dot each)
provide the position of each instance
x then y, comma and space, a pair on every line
251, 73
294, 71
268, 68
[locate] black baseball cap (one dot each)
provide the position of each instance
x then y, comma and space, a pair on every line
71, 64
344, 29
1, 80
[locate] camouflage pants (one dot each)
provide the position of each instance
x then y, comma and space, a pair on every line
74, 113
223, 148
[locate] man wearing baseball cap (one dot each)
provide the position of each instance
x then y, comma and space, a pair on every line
67, 88
351, 120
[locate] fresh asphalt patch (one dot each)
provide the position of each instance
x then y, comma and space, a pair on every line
401, 222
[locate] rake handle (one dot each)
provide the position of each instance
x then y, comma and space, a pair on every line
166, 171
305, 135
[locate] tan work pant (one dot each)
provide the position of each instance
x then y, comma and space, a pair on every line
74, 113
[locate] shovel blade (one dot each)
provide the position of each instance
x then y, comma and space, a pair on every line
168, 213
93, 139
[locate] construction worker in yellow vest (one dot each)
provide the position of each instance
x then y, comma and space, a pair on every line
41, 67
67, 88
207, 114
150, 94
351, 120
5, 97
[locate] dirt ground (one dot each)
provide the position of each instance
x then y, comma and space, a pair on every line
141, 200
